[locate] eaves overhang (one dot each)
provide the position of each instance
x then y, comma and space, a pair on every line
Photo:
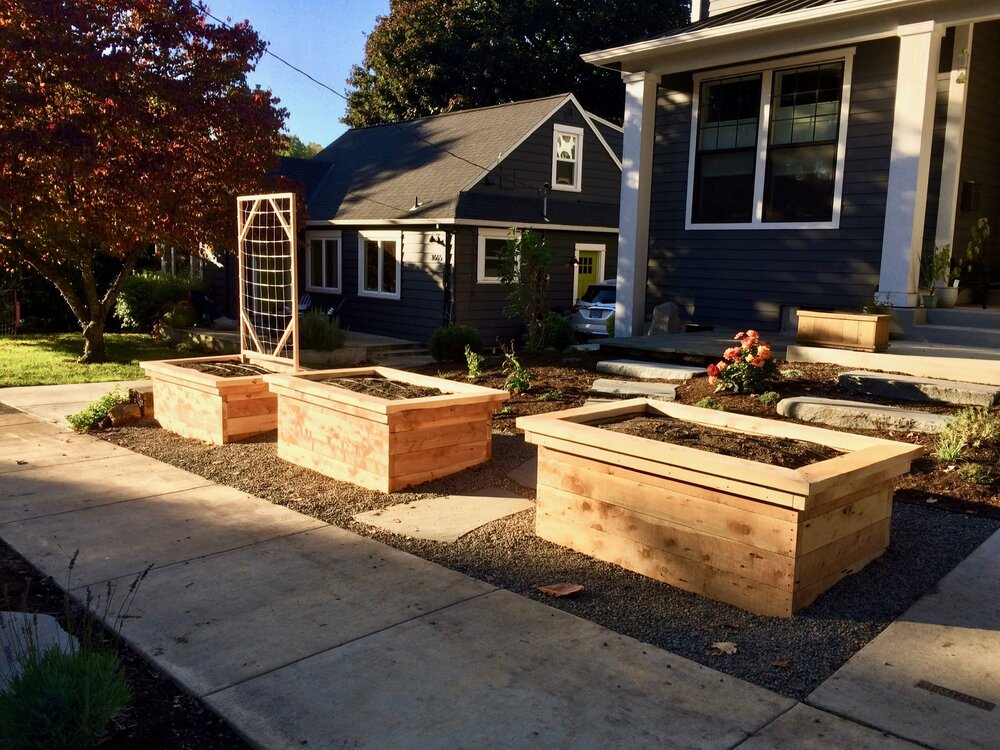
830, 25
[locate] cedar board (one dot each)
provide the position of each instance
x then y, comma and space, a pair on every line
760, 537
207, 407
856, 331
385, 445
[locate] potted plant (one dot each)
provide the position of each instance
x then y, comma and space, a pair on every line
945, 275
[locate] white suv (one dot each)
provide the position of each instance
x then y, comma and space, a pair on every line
591, 312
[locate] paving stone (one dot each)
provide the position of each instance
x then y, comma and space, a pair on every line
859, 415
446, 519
807, 728
908, 388
526, 474
507, 672
932, 676
621, 389
22, 631
649, 370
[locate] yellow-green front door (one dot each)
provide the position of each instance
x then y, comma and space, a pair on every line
586, 270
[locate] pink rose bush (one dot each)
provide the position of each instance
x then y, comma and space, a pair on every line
746, 368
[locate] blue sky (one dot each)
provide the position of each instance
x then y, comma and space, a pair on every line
322, 37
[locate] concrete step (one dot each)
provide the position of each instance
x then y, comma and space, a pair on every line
404, 361
375, 350
907, 388
859, 415
604, 388
649, 370
967, 317
956, 335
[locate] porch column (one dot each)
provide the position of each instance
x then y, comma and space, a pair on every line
633, 223
953, 136
913, 125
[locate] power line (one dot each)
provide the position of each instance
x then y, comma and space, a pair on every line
343, 96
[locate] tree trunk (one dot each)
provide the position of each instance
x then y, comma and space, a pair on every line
93, 343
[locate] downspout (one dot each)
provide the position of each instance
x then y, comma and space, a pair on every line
448, 306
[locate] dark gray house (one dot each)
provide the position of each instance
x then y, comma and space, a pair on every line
804, 153
406, 220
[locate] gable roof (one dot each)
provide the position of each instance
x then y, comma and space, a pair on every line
418, 169
781, 27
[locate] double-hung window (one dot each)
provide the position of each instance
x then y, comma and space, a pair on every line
323, 266
491, 245
567, 158
379, 264
768, 145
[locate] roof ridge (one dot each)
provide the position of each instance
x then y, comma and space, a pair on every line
398, 123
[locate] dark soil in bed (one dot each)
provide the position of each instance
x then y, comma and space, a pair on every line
791, 454
392, 390
225, 369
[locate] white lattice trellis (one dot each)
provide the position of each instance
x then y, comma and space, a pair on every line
268, 278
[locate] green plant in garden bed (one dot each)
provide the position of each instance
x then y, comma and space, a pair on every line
553, 395
976, 473
969, 428
317, 331
518, 376
474, 363
747, 368
769, 398
709, 403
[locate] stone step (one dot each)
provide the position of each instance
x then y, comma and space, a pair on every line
859, 415
968, 317
907, 388
649, 370
604, 388
956, 335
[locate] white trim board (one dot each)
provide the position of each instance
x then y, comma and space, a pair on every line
460, 223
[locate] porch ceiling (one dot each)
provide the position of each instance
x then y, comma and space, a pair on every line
840, 23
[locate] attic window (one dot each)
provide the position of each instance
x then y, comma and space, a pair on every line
567, 158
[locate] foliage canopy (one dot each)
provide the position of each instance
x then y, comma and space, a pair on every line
126, 123
432, 56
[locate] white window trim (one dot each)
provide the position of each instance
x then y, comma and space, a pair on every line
488, 234
310, 286
577, 185
592, 248
767, 74
397, 237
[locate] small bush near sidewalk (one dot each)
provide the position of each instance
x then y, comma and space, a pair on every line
448, 342
92, 416
147, 297
317, 331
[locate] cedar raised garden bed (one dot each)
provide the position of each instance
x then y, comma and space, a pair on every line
762, 537
383, 444
216, 407
857, 331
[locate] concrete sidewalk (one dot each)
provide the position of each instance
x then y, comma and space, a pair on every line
302, 634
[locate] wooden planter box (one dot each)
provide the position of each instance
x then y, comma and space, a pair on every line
207, 407
760, 537
383, 444
857, 331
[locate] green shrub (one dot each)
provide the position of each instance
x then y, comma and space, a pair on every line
970, 427
709, 403
62, 699
474, 362
790, 373
181, 315
976, 473
554, 395
448, 342
770, 398
92, 416
148, 296
317, 331
609, 326
557, 332
518, 376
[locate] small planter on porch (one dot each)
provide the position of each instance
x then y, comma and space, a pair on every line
212, 407
858, 331
383, 444
758, 536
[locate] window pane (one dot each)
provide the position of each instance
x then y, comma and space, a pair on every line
491, 258
316, 262
724, 187
389, 267
564, 172
371, 265
332, 251
728, 107
799, 183
566, 146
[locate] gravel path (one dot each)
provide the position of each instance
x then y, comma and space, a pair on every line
789, 656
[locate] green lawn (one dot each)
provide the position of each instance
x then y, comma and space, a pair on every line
50, 358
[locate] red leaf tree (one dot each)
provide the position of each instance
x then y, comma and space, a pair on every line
123, 123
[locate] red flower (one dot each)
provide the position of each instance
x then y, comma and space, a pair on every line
713, 371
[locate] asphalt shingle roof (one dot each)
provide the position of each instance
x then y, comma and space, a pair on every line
378, 172
747, 13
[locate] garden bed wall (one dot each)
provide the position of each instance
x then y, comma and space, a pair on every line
379, 443
760, 537
208, 407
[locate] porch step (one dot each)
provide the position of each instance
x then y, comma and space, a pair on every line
967, 317
906, 388
956, 335
649, 370
859, 415
612, 390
